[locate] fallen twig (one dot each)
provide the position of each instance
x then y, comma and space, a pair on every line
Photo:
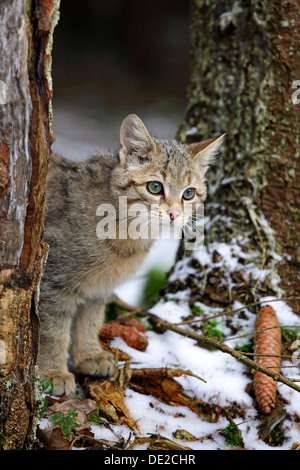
205, 341
163, 372
231, 312
261, 330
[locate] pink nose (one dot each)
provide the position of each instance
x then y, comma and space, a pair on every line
174, 214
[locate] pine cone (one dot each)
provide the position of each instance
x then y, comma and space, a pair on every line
132, 333
266, 342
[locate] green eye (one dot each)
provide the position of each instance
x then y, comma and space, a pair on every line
155, 187
188, 193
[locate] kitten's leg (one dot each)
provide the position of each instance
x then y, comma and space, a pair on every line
54, 342
88, 356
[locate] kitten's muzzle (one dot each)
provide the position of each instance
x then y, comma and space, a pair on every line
174, 214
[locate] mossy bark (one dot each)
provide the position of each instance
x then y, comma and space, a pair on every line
244, 60
25, 141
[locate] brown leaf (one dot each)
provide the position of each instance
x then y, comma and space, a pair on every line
162, 443
53, 438
157, 442
83, 408
169, 391
122, 356
295, 446
111, 402
184, 435
267, 345
130, 330
162, 372
123, 378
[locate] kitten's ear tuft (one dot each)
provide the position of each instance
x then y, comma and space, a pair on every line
205, 152
136, 142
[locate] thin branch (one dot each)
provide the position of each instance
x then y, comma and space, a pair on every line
204, 341
231, 312
209, 342
163, 372
259, 331
266, 355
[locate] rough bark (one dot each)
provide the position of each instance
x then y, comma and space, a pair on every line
26, 29
244, 60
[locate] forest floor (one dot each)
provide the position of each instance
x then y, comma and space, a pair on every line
170, 393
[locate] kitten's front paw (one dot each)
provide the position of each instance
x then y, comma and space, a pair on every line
100, 366
63, 383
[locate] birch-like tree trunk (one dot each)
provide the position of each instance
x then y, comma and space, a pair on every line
245, 71
25, 138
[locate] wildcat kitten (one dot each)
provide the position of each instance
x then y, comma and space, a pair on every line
82, 269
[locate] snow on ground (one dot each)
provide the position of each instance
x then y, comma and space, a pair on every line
226, 381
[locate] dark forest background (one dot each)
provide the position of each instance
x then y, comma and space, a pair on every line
116, 57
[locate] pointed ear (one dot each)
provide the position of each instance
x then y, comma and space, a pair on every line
136, 143
205, 152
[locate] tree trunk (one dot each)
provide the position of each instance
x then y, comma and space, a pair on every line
25, 138
244, 62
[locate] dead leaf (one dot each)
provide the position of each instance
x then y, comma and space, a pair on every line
110, 402
162, 443
83, 407
169, 391
123, 377
122, 356
157, 442
184, 435
139, 441
163, 372
296, 446
53, 438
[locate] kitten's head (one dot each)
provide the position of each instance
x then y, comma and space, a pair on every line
165, 176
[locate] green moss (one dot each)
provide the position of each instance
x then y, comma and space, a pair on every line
245, 347
196, 310
213, 328
233, 436
289, 335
